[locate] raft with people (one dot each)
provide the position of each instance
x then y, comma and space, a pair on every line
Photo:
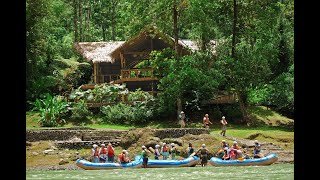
264, 161
137, 163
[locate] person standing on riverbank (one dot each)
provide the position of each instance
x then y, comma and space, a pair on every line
156, 152
190, 150
182, 118
145, 156
95, 154
203, 155
103, 153
110, 151
206, 121
173, 151
165, 151
224, 123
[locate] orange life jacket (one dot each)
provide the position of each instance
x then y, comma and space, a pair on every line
206, 120
96, 152
121, 157
165, 149
103, 151
110, 151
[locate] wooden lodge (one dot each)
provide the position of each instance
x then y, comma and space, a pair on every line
117, 62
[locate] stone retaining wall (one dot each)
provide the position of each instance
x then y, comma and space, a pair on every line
84, 144
66, 134
179, 132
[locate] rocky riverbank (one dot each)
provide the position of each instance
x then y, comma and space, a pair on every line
45, 155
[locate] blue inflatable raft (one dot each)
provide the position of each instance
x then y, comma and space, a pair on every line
137, 163
267, 160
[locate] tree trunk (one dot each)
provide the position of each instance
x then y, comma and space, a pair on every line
103, 33
75, 21
179, 106
80, 21
243, 108
175, 27
234, 28
175, 32
89, 17
113, 20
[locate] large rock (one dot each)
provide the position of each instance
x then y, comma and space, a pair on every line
63, 161
173, 140
48, 151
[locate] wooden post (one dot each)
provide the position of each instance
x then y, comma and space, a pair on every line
95, 72
121, 59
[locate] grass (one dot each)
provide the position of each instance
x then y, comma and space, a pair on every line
266, 116
273, 129
281, 136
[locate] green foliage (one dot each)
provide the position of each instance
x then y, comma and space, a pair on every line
52, 109
80, 110
282, 91
127, 114
139, 95
104, 92
259, 95
188, 78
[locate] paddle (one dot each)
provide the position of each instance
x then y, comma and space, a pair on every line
151, 149
194, 153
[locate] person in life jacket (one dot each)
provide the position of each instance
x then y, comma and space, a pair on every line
203, 155
110, 153
165, 151
156, 152
103, 153
123, 158
226, 155
206, 121
257, 150
145, 156
95, 154
221, 150
235, 152
190, 149
173, 151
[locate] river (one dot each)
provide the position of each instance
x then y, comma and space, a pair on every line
274, 171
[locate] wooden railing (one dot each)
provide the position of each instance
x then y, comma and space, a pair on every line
137, 73
108, 77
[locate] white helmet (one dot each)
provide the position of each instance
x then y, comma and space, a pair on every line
235, 142
143, 147
124, 151
94, 145
223, 117
103, 145
164, 143
203, 145
256, 141
172, 144
157, 146
223, 141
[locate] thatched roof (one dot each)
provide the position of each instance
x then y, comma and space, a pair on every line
110, 51
98, 51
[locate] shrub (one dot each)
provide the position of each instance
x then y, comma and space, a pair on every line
127, 114
52, 109
80, 110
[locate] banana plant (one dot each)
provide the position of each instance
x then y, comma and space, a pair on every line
51, 110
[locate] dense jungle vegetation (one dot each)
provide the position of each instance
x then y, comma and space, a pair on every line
254, 56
